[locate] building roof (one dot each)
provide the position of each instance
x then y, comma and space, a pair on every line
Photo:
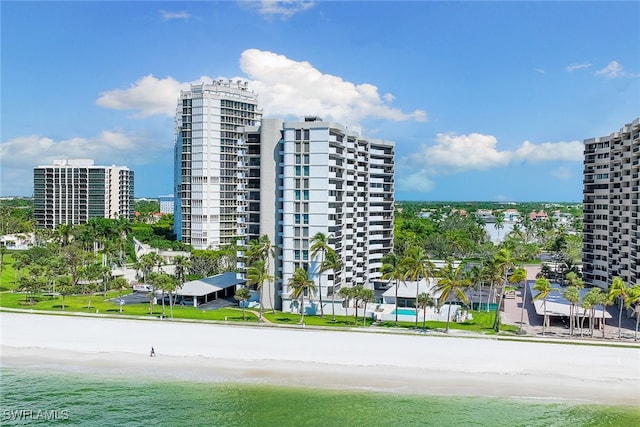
408, 289
558, 306
208, 285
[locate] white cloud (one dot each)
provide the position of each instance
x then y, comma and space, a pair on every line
459, 153
283, 9
573, 67
289, 87
612, 70
540, 71
20, 155
168, 16
454, 153
285, 87
149, 95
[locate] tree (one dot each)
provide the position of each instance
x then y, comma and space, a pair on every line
356, 294
394, 269
499, 225
263, 249
519, 276
346, 293
242, 295
586, 305
320, 246
425, 300
301, 284
602, 299
418, 266
257, 274
452, 281
181, 264
543, 286
572, 294
333, 262
503, 262
65, 287
366, 296
633, 297
618, 289
165, 283
119, 284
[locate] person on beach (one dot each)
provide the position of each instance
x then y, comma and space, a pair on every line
153, 352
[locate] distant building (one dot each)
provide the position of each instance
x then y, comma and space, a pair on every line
611, 204
74, 191
538, 216
166, 204
485, 215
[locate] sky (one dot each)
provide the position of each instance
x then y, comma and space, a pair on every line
485, 101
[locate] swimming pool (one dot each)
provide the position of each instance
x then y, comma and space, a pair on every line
404, 312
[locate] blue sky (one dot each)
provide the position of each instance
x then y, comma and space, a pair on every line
485, 100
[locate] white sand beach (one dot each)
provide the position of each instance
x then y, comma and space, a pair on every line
331, 359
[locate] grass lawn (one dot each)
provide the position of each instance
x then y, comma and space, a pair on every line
8, 274
294, 319
482, 323
80, 304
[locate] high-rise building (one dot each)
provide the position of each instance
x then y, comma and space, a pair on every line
74, 191
238, 177
209, 164
611, 206
312, 177
166, 203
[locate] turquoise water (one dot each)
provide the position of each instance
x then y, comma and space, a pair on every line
405, 311
90, 400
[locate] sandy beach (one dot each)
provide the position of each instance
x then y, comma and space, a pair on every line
319, 358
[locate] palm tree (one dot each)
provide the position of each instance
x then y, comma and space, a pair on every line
356, 292
366, 296
572, 294
394, 269
418, 266
301, 284
257, 274
452, 281
499, 225
633, 297
543, 286
161, 281
181, 264
519, 276
263, 249
586, 305
603, 300
503, 262
320, 245
618, 289
333, 262
346, 293
243, 295
425, 300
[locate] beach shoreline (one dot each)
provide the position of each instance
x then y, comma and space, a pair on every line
388, 363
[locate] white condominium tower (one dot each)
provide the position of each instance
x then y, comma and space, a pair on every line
611, 207
209, 165
74, 191
312, 177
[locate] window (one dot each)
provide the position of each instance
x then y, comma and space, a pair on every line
305, 218
297, 192
296, 255
299, 134
298, 170
305, 194
297, 218
306, 134
305, 170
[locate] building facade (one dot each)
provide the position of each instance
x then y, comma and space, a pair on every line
210, 163
74, 191
611, 206
312, 177
166, 203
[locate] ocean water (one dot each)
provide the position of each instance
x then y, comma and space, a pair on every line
40, 397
